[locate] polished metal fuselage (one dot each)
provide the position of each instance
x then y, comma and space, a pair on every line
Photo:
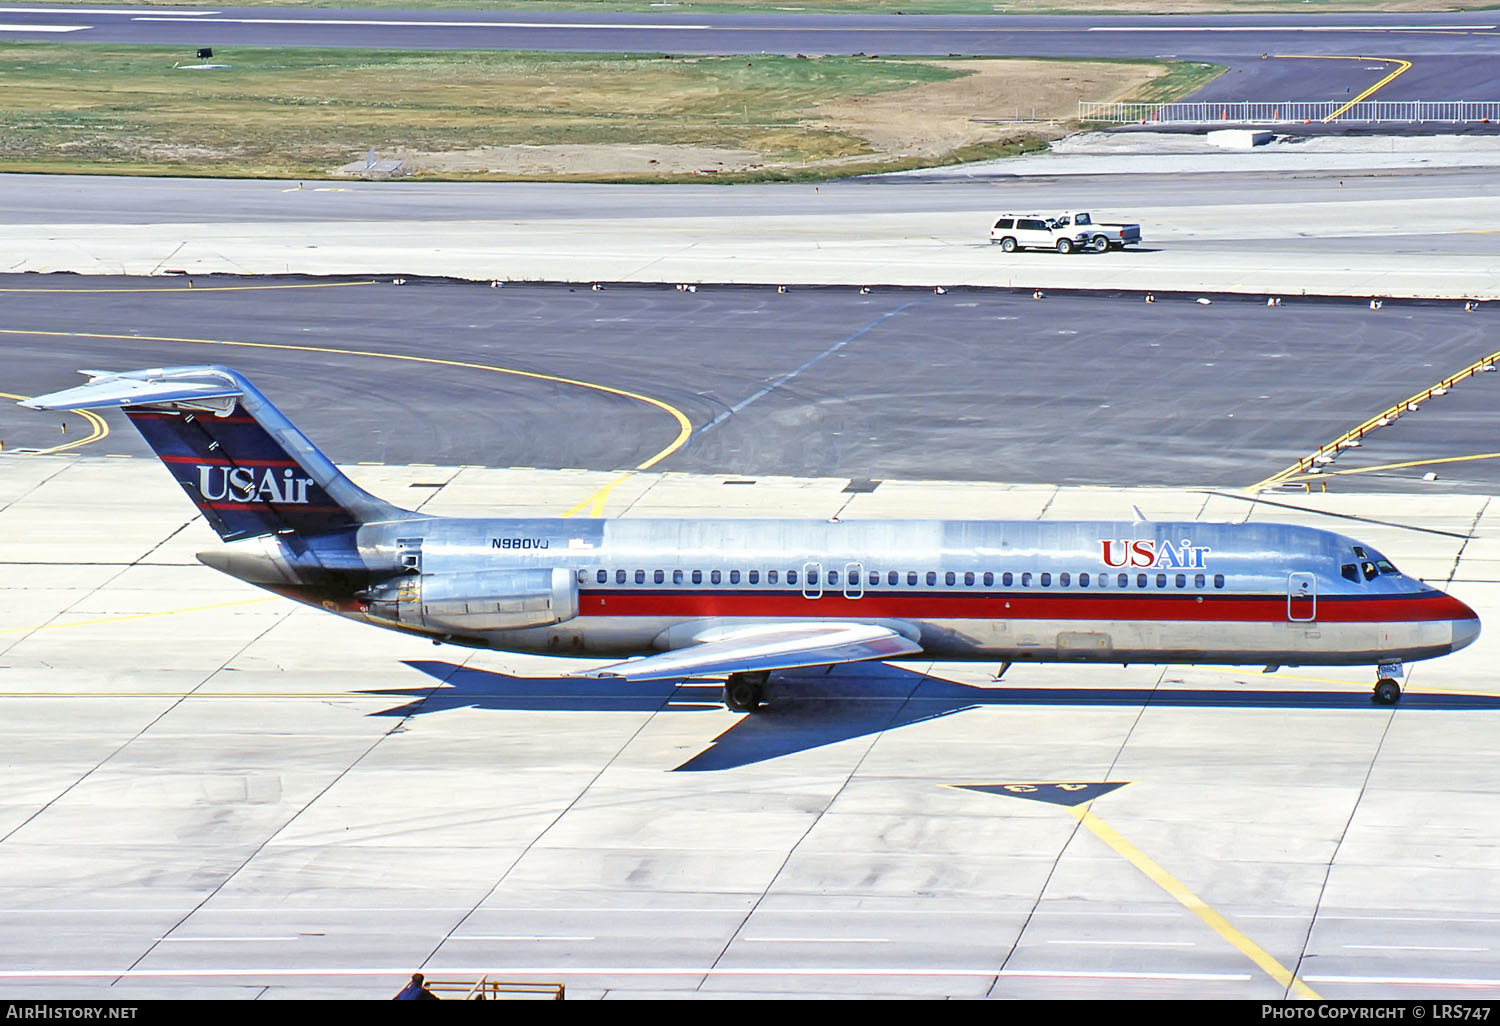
1140, 591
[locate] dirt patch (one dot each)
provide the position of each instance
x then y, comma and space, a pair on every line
992, 101
582, 159
998, 100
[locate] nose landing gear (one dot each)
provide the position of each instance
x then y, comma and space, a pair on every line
1388, 688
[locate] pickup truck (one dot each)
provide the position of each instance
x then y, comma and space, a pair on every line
1101, 236
1034, 231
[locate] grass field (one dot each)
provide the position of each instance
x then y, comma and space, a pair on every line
305, 113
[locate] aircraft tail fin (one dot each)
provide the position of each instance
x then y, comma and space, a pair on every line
240, 460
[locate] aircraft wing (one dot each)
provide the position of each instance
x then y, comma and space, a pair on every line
773, 646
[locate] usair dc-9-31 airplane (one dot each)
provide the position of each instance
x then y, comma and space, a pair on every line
742, 598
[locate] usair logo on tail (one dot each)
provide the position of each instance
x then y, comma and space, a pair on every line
252, 484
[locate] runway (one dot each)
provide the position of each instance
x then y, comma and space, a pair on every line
976, 385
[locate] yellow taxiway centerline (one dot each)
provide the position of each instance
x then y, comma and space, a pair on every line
1403, 66
135, 616
684, 426
100, 432
1390, 414
1399, 466
1174, 887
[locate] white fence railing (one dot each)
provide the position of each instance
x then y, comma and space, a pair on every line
1292, 112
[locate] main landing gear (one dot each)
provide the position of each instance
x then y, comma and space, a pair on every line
1387, 688
745, 692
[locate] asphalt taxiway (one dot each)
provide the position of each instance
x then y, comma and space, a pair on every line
972, 384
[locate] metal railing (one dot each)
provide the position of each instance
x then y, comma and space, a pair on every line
486, 989
1261, 112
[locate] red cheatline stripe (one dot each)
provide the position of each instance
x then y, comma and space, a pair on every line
154, 415
1212, 608
210, 461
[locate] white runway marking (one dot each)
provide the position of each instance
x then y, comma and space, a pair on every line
1406, 947
385, 23
91, 12
1290, 28
44, 28
219, 940
1130, 944
518, 937
817, 940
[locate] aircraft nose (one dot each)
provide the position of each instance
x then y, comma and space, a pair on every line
1465, 630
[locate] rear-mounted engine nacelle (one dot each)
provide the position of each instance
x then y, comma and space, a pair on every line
477, 601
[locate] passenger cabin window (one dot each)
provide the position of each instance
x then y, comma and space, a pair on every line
659, 576
602, 577
1218, 580
1083, 580
833, 578
989, 579
791, 576
619, 576
969, 580
1026, 579
676, 576
771, 577
697, 576
754, 576
640, 577
1064, 579
911, 578
949, 578
1008, 579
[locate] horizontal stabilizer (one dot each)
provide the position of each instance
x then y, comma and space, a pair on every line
245, 466
768, 646
135, 389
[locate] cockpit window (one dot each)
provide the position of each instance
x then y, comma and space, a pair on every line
1350, 572
1372, 562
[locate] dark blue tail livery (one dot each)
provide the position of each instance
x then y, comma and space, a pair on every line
244, 465
243, 481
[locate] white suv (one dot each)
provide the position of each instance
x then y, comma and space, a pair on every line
1033, 231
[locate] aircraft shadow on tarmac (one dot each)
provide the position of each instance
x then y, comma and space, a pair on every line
810, 710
